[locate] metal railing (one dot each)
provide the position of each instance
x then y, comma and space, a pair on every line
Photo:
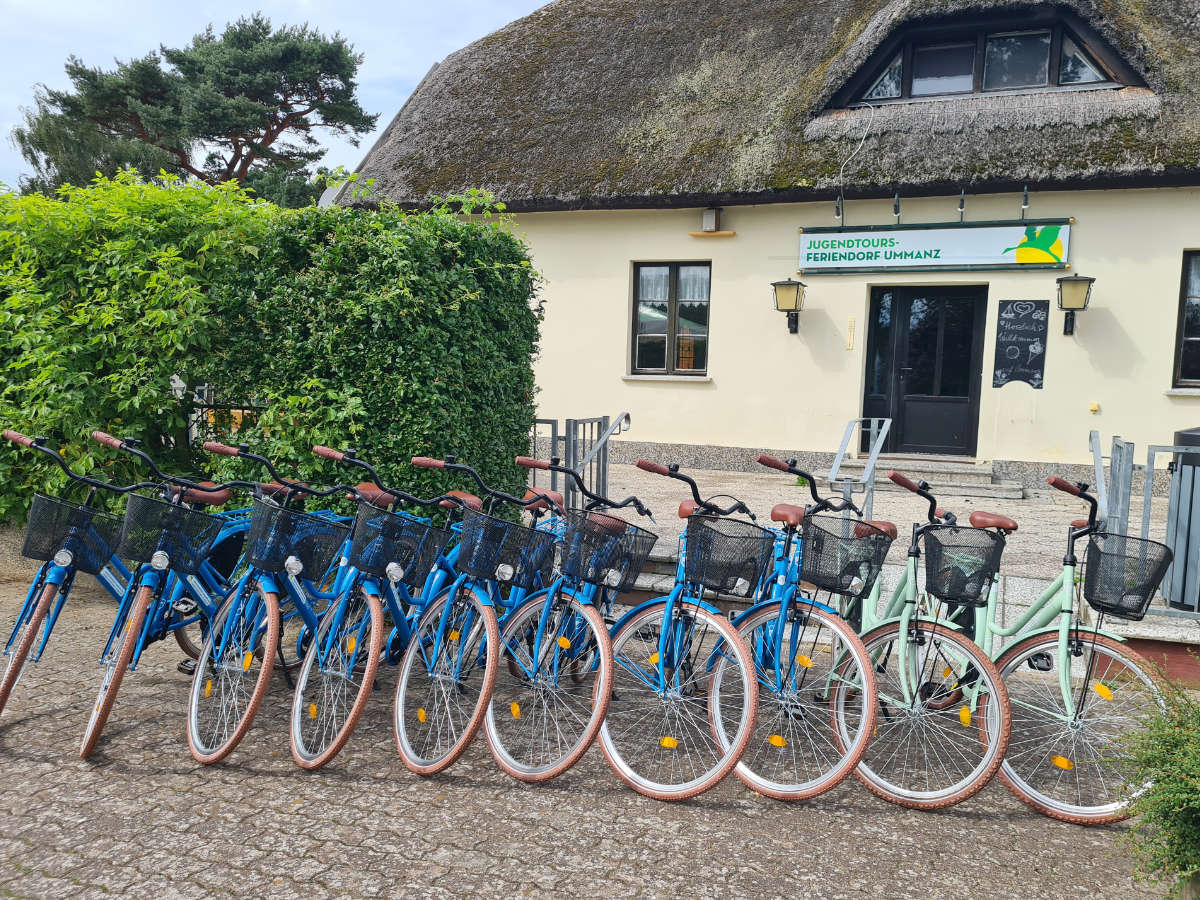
876, 431
1114, 489
217, 419
581, 444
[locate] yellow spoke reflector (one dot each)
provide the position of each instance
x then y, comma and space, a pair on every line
807, 662
454, 635
777, 740
964, 716
654, 659
516, 709
948, 672
350, 644
421, 717
565, 643
1063, 763
208, 689
1103, 690
247, 661
312, 710
669, 742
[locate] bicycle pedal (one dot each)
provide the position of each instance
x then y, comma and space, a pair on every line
1040, 662
187, 666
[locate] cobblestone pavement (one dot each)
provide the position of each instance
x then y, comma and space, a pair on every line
141, 819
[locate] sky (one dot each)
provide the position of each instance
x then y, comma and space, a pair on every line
400, 39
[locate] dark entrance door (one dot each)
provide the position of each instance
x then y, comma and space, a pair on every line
924, 363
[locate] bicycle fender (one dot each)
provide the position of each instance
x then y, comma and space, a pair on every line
769, 604
1053, 629
704, 604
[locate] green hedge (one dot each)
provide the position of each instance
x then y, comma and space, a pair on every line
397, 333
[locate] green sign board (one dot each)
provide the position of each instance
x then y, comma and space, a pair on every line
1032, 244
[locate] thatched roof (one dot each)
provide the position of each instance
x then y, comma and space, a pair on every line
630, 103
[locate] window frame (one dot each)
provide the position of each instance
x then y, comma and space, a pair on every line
1177, 381
1058, 22
672, 319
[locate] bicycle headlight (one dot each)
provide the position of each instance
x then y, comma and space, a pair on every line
64, 558
394, 572
856, 584
293, 566
505, 572
159, 560
612, 577
741, 586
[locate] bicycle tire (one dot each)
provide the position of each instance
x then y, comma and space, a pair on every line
795, 752
521, 703
409, 717
114, 674
627, 731
250, 649
19, 656
958, 654
308, 710
1037, 753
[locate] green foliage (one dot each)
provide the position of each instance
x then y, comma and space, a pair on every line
63, 150
250, 99
396, 333
414, 332
1166, 756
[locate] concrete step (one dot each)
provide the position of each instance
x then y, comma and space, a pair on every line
937, 471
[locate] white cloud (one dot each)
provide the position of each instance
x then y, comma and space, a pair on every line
400, 41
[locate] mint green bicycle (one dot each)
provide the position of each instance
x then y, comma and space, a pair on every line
1076, 691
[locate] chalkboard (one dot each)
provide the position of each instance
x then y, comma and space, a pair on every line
1021, 342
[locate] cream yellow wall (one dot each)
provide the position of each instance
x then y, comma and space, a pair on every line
769, 388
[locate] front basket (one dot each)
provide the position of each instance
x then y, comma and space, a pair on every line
842, 555
729, 556
1121, 574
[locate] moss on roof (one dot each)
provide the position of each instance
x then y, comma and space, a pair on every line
614, 103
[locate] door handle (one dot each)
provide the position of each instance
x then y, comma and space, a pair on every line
904, 370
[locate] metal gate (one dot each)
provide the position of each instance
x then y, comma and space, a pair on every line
579, 444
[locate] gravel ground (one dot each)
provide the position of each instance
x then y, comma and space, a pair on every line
140, 818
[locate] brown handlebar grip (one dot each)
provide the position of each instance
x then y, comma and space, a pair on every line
904, 481
222, 449
102, 437
425, 462
772, 463
529, 462
657, 468
1063, 485
17, 438
328, 453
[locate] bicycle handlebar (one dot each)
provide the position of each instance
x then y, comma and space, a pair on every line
921, 489
529, 462
1075, 490
221, 449
426, 462
106, 439
328, 453
403, 496
17, 438
102, 437
672, 471
792, 469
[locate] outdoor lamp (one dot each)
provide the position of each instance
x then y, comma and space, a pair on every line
1074, 291
789, 298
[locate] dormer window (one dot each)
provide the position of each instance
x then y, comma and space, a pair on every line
946, 60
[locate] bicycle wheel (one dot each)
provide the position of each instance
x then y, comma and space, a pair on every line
115, 664
330, 696
1071, 768
925, 754
232, 674
446, 680
26, 638
811, 668
545, 712
683, 710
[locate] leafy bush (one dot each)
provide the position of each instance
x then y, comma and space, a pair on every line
398, 333
104, 297
1167, 756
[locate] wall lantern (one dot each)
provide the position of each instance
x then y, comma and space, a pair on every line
789, 298
1074, 291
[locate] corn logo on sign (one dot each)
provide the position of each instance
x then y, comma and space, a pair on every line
958, 246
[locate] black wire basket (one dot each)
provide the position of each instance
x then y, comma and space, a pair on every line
842, 555
56, 524
961, 562
1121, 574
603, 550
277, 533
381, 538
729, 556
504, 551
185, 535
